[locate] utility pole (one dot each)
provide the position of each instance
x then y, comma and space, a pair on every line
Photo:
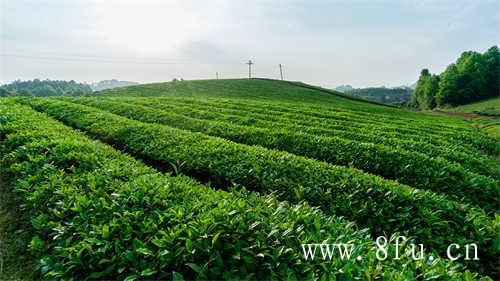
217, 75
249, 68
281, 71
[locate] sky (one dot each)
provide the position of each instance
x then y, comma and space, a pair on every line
327, 43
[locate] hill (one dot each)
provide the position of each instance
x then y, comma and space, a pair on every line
283, 92
261, 89
222, 179
257, 89
489, 107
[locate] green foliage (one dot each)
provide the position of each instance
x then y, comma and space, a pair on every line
489, 108
383, 94
16, 261
463, 82
42, 88
486, 107
448, 86
492, 75
473, 77
391, 127
5, 93
99, 214
253, 89
425, 92
298, 102
336, 190
407, 167
491, 126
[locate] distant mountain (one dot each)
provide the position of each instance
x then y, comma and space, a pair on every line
110, 84
382, 94
343, 88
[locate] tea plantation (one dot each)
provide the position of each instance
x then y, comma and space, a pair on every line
226, 179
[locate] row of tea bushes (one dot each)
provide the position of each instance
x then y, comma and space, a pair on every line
328, 127
334, 117
381, 205
414, 169
99, 214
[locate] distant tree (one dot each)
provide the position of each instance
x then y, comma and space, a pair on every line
23, 93
344, 88
38, 87
492, 76
424, 95
382, 94
42, 90
5, 93
448, 85
432, 90
472, 77
465, 81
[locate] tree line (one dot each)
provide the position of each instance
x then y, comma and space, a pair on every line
474, 76
42, 88
382, 94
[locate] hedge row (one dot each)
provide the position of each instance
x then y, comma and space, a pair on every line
478, 163
357, 118
383, 206
324, 125
414, 169
463, 134
390, 117
334, 115
99, 214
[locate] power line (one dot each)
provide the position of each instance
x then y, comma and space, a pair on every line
54, 54
98, 59
130, 60
88, 59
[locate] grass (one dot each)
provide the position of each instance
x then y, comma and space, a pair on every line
256, 89
489, 110
486, 107
490, 125
281, 92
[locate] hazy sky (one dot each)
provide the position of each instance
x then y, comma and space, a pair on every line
362, 43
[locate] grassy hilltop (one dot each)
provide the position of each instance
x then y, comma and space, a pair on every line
257, 89
489, 115
225, 179
485, 114
485, 107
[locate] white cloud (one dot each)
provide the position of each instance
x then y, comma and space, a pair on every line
358, 42
144, 27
